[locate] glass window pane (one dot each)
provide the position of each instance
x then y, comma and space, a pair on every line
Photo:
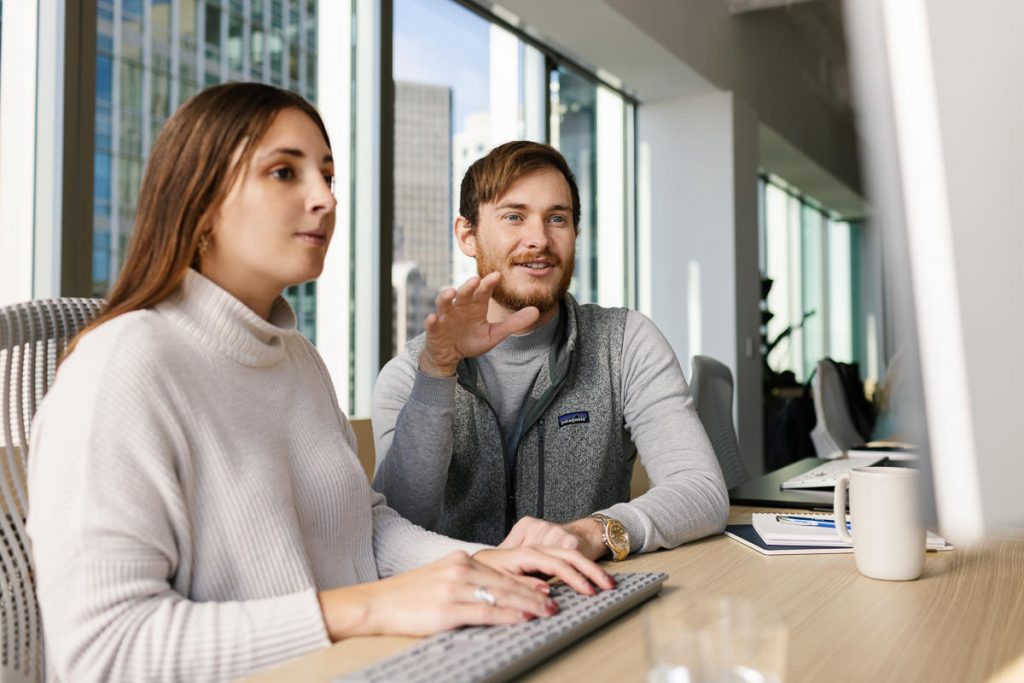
574, 133
457, 94
813, 263
235, 42
610, 199
125, 71
840, 291
814, 308
777, 269
160, 15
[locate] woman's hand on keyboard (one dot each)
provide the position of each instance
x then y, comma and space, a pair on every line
447, 594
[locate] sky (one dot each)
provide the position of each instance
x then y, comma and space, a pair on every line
441, 43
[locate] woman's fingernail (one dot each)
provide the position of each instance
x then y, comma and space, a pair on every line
544, 588
527, 616
551, 606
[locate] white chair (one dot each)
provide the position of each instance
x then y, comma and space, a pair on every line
33, 336
834, 431
711, 386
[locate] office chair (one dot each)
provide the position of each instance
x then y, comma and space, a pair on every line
834, 431
711, 386
33, 335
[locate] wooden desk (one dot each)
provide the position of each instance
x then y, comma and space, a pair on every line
963, 620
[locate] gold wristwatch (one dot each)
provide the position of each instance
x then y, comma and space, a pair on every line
614, 535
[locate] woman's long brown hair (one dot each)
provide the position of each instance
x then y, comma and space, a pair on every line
190, 169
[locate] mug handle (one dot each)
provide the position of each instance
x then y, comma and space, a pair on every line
839, 507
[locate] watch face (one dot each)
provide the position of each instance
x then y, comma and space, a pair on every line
617, 536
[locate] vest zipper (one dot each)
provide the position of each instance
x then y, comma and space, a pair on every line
510, 480
540, 468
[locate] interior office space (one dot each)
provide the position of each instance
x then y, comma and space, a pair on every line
716, 112
721, 140
716, 141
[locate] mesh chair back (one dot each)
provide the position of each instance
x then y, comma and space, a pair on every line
711, 385
834, 432
33, 336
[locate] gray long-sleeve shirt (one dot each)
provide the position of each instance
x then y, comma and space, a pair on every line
412, 423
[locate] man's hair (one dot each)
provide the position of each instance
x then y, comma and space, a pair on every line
489, 178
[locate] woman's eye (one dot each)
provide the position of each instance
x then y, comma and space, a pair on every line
329, 179
283, 173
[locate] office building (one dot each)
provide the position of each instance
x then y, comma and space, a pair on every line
422, 211
467, 146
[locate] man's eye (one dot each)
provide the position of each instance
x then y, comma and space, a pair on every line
513, 218
283, 173
558, 219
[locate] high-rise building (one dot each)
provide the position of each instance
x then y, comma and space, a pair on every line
151, 55
469, 145
422, 208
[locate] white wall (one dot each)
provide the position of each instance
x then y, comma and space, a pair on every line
701, 160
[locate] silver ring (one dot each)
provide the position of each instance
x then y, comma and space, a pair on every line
484, 595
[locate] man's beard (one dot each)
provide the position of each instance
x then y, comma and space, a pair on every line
542, 297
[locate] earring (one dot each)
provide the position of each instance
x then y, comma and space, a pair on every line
204, 243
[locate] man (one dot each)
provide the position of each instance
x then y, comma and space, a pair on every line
519, 405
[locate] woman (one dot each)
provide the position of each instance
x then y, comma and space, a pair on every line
198, 511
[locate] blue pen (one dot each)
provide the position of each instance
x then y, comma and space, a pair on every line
807, 521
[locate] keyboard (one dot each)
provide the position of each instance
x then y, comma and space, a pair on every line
826, 474
489, 654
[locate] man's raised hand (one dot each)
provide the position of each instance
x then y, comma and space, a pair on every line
458, 328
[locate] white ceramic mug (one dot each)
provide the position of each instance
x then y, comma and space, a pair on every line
888, 534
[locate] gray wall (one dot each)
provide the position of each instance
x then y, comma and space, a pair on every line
788, 64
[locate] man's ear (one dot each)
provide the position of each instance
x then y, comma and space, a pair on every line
465, 236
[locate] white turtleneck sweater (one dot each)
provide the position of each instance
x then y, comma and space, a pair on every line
192, 485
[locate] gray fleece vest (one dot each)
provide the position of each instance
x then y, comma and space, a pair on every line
569, 453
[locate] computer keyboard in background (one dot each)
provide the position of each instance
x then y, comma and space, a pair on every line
826, 474
497, 653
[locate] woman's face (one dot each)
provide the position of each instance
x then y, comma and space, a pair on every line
275, 223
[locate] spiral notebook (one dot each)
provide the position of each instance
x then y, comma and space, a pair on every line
800, 534
745, 534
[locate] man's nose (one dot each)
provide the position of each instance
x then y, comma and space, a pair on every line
536, 234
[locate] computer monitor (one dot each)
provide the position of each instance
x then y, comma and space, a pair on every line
940, 103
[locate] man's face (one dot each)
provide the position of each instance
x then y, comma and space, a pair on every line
528, 236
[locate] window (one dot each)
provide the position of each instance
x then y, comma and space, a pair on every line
464, 81
464, 84
811, 258
148, 62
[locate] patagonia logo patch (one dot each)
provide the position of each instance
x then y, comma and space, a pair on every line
576, 418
